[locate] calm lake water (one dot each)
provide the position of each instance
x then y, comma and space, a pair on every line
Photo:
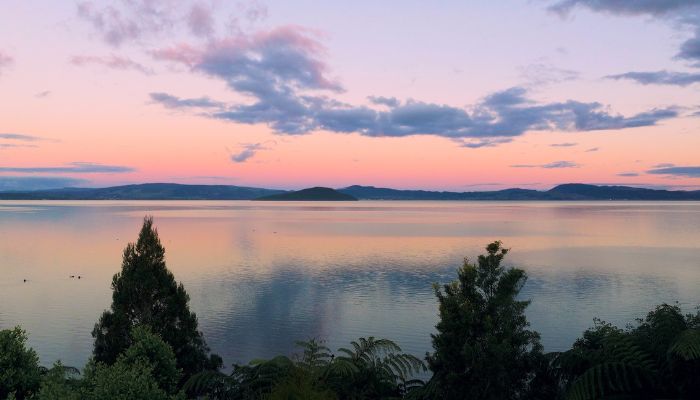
262, 275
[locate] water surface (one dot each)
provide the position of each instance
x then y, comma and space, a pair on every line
263, 275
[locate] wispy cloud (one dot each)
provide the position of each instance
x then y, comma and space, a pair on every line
249, 150
690, 172
660, 77
15, 145
5, 61
20, 137
171, 101
592, 150
540, 74
566, 144
551, 165
111, 62
628, 174
70, 168
43, 94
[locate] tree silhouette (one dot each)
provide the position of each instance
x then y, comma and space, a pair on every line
483, 349
146, 293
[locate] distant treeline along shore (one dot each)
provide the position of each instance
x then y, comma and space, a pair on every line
147, 345
173, 191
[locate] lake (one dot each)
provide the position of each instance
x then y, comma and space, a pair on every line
263, 275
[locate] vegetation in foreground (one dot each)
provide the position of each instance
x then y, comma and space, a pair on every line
147, 346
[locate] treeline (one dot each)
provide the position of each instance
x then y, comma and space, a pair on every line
148, 346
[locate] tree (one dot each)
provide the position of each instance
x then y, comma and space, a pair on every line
120, 381
59, 383
19, 366
658, 358
145, 293
482, 348
150, 349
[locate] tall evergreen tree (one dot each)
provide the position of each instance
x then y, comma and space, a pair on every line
483, 349
145, 293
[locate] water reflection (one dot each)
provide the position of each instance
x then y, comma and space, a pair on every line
264, 275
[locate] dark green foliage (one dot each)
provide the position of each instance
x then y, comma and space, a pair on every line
60, 383
19, 366
483, 349
150, 349
658, 358
145, 293
369, 369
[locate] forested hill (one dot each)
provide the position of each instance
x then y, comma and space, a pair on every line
147, 191
172, 191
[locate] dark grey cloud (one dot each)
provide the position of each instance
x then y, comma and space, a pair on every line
566, 144
171, 101
690, 172
70, 168
627, 7
21, 183
111, 62
20, 137
628, 174
551, 165
249, 150
663, 165
660, 77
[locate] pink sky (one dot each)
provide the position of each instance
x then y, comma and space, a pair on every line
475, 96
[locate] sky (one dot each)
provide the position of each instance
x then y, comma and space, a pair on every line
476, 95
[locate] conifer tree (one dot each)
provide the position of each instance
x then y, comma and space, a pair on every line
145, 293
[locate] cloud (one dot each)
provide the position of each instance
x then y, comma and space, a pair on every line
281, 71
22, 183
121, 21
386, 101
543, 74
488, 142
112, 62
628, 174
681, 13
74, 167
567, 144
663, 165
43, 94
21, 137
200, 21
592, 149
171, 101
249, 150
660, 77
15, 145
5, 61
551, 165
690, 172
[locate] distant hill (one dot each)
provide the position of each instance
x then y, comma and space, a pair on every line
172, 191
146, 191
310, 194
569, 191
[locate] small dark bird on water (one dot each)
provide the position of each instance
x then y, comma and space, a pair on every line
78, 276
25, 280
72, 276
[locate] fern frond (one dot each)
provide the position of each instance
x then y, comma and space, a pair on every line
687, 345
